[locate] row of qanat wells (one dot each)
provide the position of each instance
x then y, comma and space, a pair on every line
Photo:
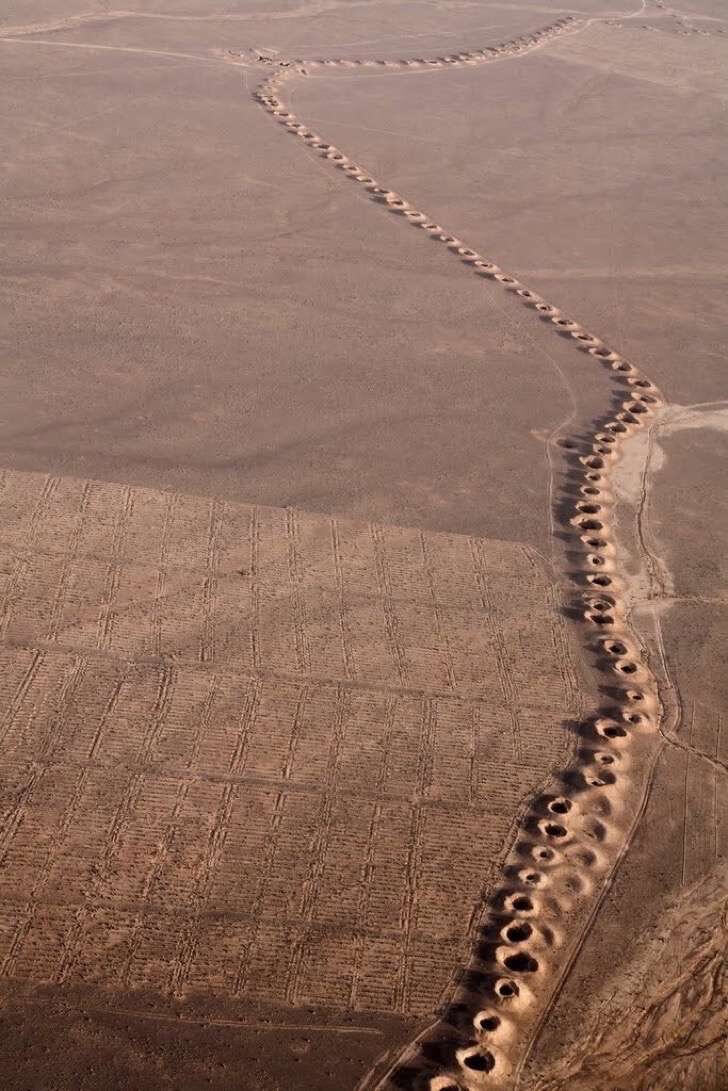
570, 839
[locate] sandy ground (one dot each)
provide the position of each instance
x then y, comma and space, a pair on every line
265, 771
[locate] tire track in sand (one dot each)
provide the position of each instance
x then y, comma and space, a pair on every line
571, 840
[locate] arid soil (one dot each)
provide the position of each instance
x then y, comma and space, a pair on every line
363, 598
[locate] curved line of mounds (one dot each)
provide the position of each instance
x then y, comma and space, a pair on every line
567, 840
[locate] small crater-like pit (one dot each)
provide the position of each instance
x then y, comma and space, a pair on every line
521, 963
614, 731
522, 903
604, 759
519, 933
480, 1062
560, 806
506, 989
488, 1023
553, 829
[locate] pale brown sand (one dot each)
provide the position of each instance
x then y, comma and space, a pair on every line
439, 428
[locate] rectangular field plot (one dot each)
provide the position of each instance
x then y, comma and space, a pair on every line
258, 753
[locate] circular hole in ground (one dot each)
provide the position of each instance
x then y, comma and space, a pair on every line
601, 781
506, 989
615, 647
522, 903
489, 1022
628, 667
591, 524
533, 878
518, 933
480, 1062
544, 853
601, 580
614, 731
560, 806
553, 829
521, 963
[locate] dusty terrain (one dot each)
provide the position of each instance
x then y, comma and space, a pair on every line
346, 346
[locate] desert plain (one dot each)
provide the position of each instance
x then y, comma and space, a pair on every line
363, 581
